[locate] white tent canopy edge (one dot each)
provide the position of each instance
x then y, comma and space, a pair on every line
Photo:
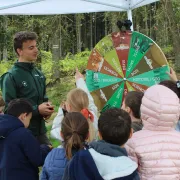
51, 7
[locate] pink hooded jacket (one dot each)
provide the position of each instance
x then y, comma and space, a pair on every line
156, 148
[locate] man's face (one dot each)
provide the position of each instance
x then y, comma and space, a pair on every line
29, 51
2, 109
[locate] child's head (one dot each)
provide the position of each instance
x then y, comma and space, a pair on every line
115, 126
2, 105
171, 85
160, 108
74, 131
77, 99
132, 103
21, 109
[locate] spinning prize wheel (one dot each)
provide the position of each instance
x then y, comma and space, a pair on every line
123, 62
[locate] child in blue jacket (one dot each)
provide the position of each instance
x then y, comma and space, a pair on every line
74, 132
107, 158
20, 152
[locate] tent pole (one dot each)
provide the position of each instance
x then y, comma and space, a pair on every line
129, 14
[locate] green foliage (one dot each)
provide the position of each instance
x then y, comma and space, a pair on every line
46, 65
69, 64
5, 65
58, 92
168, 51
55, 143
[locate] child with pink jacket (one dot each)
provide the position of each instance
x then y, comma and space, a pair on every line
156, 148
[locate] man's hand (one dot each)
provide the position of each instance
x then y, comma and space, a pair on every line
46, 109
172, 75
51, 147
46, 117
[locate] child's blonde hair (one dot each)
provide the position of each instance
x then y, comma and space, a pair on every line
78, 100
2, 103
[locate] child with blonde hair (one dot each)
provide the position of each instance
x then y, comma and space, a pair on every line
78, 100
2, 105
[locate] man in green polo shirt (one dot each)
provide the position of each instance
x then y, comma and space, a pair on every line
24, 80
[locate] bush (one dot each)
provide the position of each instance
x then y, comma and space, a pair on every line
66, 67
69, 64
168, 51
5, 66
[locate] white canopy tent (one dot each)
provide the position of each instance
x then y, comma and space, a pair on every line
50, 7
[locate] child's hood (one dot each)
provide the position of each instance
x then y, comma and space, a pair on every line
8, 124
111, 160
159, 109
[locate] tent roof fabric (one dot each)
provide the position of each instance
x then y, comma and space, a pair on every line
45, 7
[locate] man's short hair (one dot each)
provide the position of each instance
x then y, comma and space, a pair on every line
17, 107
133, 100
171, 85
21, 37
2, 103
115, 126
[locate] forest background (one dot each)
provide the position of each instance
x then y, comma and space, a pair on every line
65, 41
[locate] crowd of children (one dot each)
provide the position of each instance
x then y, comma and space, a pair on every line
138, 141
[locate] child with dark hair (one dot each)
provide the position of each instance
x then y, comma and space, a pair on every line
107, 158
171, 85
2, 105
74, 131
131, 104
20, 152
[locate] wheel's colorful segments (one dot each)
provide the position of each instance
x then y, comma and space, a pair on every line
97, 80
151, 60
103, 95
123, 62
109, 70
137, 87
139, 46
129, 87
152, 77
112, 58
98, 64
122, 44
105, 45
116, 99
95, 61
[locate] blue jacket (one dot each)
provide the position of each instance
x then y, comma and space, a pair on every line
54, 165
101, 161
20, 152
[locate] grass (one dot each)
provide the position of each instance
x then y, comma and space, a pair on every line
58, 92
55, 143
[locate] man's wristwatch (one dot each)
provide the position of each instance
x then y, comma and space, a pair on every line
178, 84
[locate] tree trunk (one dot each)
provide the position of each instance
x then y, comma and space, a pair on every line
114, 20
95, 33
106, 26
5, 54
78, 32
91, 31
60, 37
